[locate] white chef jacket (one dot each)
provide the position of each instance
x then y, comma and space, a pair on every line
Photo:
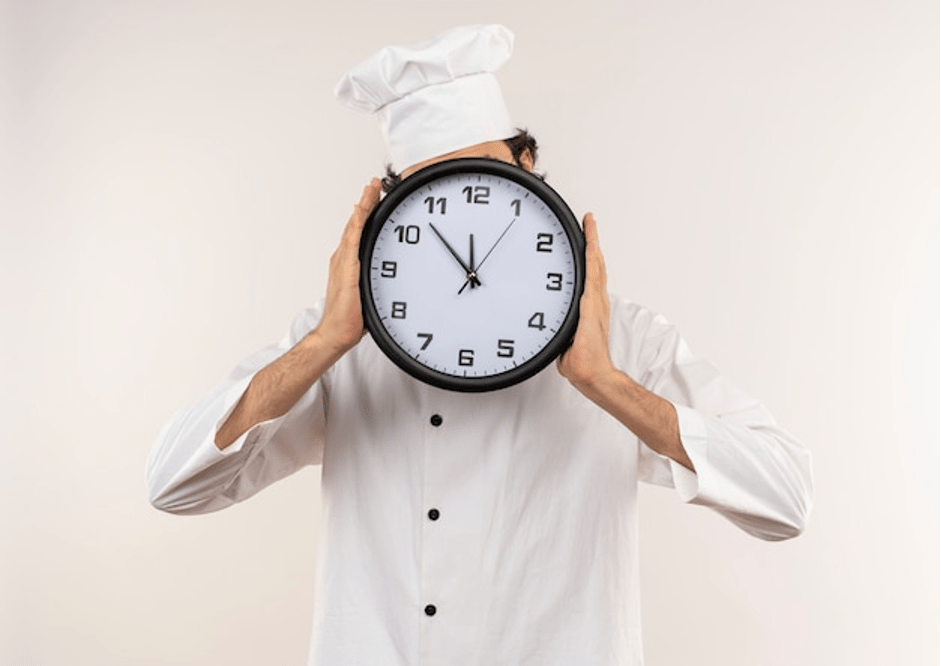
506, 533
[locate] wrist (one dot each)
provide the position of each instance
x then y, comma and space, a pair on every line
329, 345
602, 385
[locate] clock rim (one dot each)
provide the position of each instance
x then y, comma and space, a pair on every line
532, 366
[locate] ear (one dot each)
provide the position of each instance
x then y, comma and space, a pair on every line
526, 160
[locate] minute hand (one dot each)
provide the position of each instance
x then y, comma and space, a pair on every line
495, 244
470, 274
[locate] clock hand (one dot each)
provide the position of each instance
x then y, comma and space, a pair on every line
472, 252
477, 268
472, 275
450, 249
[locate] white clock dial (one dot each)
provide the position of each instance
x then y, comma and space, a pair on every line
472, 274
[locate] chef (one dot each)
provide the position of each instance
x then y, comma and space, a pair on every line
490, 528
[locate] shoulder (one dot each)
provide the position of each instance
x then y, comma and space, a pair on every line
638, 334
636, 319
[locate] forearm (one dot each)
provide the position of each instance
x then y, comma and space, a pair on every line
587, 365
278, 386
646, 414
749, 470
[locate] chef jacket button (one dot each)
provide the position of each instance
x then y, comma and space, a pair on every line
436, 420
430, 610
434, 514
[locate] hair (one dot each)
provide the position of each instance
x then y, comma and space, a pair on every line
519, 145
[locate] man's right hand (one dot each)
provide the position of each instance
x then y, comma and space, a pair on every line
278, 386
342, 324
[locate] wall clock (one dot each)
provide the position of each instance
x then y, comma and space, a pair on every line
471, 274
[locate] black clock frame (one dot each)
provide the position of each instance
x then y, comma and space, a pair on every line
539, 188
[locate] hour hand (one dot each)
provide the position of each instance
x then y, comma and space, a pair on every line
471, 275
472, 278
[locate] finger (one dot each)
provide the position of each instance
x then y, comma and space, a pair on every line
590, 225
594, 259
367, 201
370, 196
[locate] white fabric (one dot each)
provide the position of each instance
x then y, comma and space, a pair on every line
437, 96
533, 561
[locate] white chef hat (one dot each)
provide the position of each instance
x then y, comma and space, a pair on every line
436, 96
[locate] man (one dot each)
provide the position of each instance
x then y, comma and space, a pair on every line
495, 528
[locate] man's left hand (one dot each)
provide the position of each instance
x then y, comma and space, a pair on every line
588, 360
587, 365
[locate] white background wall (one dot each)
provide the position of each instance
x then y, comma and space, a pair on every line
174, 176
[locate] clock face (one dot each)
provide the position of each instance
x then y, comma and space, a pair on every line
472, 270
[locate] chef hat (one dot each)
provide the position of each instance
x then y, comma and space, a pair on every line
436, 96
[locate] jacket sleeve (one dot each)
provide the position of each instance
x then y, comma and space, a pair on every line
186, 473
746, 467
